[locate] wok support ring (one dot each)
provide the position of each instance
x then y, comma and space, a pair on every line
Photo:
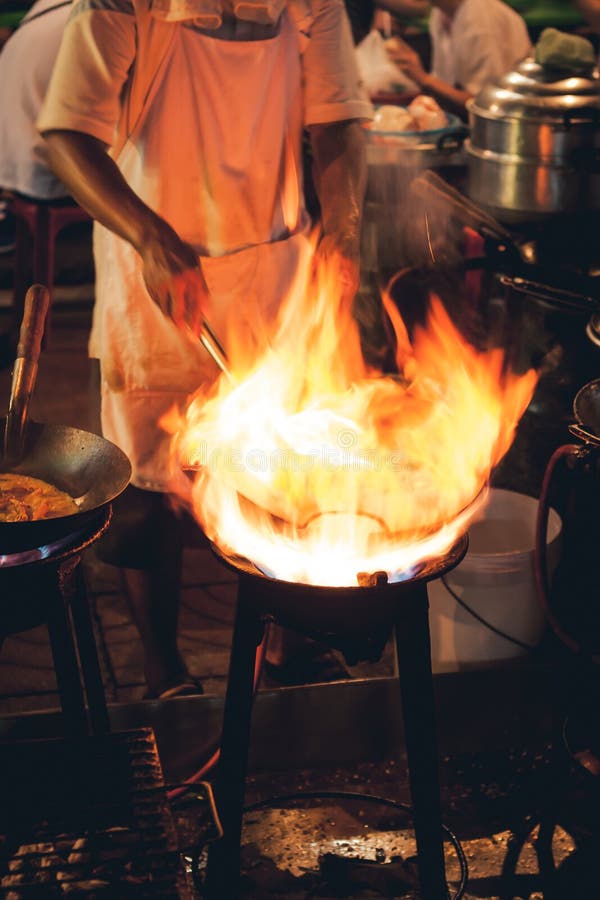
403, 606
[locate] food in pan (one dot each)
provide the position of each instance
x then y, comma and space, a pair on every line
26, 499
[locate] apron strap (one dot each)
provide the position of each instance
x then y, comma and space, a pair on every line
146, 79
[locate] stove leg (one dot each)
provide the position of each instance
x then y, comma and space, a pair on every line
224, 856
88, 656
65, 662
416, 686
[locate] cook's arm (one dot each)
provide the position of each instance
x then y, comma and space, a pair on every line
450, 97
340, 175
408, 60
170, 266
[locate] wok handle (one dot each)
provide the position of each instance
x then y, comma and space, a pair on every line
34, 320
25, 369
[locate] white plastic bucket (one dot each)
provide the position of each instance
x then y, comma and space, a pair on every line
496, 580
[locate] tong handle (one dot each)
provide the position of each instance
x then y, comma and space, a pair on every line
213, 346
32, 325
25, 370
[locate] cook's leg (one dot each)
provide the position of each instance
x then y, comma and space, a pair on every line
153, 600
145, 541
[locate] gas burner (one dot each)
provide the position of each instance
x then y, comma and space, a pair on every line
7, 560
354, 619
51, 549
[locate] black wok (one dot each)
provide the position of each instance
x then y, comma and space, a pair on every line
89, 468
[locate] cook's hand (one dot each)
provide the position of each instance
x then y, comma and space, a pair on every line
343, 252
407, 59
174, 278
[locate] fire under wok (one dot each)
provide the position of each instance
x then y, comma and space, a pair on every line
92, 470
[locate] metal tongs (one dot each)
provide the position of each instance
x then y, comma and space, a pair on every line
25, 370
515, 262
212, 345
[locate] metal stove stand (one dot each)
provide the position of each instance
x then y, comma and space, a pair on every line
46, 585
358, 622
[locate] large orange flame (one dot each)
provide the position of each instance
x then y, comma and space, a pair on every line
316, 467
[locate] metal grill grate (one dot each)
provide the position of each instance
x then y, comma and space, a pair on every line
87, 817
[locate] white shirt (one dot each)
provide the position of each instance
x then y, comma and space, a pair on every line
482, 42
26, 63
206, 128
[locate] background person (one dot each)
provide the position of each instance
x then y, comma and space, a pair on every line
26, 62
473, 42
364, 14
177, 126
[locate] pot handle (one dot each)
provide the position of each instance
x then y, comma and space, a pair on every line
25, 370
452, 140
586, 436
558, 297
586, 159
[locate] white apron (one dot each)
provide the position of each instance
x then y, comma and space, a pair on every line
217, 154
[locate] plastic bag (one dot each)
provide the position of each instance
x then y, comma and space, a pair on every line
377, 71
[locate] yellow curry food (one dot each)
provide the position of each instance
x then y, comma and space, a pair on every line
25, 499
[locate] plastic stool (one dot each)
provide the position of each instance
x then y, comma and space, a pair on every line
41, 221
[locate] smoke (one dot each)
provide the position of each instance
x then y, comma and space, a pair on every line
422, 236
406, 222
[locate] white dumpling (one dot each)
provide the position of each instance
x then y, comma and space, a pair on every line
393, 118
427, 113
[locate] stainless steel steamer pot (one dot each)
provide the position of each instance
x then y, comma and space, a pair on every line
534, 148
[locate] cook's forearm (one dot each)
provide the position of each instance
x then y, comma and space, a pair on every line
340, 176
448, 96
95, 181
170, 267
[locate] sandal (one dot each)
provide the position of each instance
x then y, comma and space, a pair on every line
187, 687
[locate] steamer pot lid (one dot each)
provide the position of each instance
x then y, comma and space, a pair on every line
537, 93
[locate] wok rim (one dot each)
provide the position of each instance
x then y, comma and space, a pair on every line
21, 536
